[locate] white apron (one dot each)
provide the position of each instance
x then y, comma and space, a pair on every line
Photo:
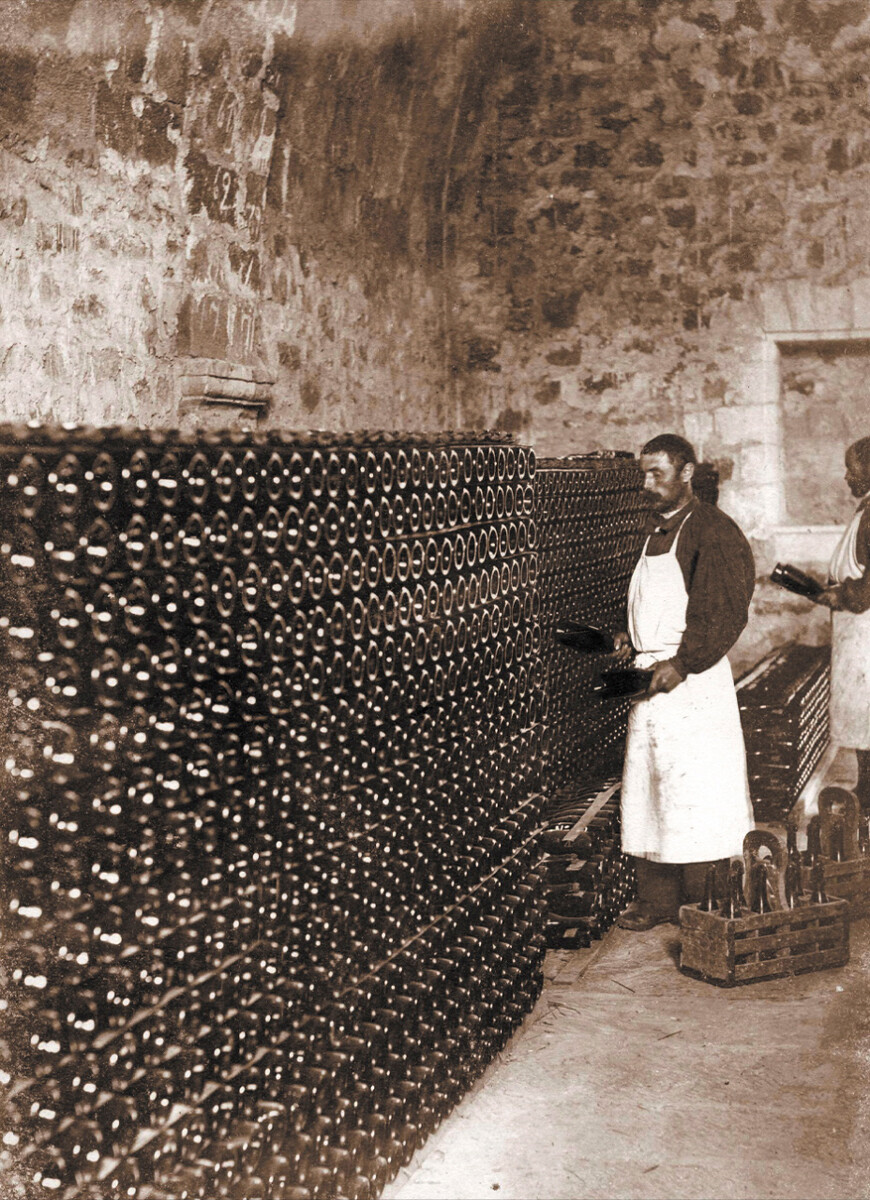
850, 653
685, 795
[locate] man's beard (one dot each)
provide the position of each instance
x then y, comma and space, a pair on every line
658, 502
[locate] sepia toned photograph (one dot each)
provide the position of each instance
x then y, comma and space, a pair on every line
434, 599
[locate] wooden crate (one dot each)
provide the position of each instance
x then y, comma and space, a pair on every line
849, 881
760, 946
850, 878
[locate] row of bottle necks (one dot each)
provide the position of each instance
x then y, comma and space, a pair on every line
275, 701
783, 756
292, 793
787, 721
788, 676
335, 756
456, 563
137, 478
350, 903
269, 996
237, 535
383, 1033
284, 583
408, 672
219, 627
160, 538
98, 905
283, 820
790, 751
607, 540
417, 666
414, 625
296, 726
178, 762
66, 552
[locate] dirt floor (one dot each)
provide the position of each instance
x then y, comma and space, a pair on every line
631, 1080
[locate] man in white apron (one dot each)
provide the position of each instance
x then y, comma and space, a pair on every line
849, 599
685, 795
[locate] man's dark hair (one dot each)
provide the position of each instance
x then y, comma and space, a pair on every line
678, 450
861, 450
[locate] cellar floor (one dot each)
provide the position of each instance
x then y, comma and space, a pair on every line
630, 1080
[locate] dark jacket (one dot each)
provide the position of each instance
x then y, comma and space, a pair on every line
719, 572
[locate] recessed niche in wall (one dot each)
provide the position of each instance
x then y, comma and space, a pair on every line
825, 405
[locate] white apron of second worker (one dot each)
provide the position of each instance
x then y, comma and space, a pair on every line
850, 653
685, 793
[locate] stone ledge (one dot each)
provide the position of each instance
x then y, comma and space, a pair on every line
800, 310
215, 382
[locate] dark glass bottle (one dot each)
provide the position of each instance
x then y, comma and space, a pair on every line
710, 902
733, 907
761, 899
817, 883
813, 851
793, 882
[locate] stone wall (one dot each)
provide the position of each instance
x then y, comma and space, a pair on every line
580, 221
240, 199
662, 165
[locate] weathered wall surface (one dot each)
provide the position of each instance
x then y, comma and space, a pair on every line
566, 219
660, 164
554, 216
252, 191
825, 407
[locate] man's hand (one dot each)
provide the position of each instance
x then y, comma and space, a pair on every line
665, 678
830, 598
622, 647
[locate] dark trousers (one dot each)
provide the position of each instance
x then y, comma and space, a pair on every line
863, 786
665, 886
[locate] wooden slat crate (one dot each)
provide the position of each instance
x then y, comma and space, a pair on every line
759, 946
769, 945
848, 879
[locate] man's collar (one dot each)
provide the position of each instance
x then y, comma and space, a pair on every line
656, 523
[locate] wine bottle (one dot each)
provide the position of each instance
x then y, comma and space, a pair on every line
817, 883
761, 899
793, 883
735, 900
710, 902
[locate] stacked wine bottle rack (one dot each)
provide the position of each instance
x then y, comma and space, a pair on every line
275, 720
587, 880
589, 514
784, 712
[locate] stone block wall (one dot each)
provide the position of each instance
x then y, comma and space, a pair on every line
238, 200
583, 221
